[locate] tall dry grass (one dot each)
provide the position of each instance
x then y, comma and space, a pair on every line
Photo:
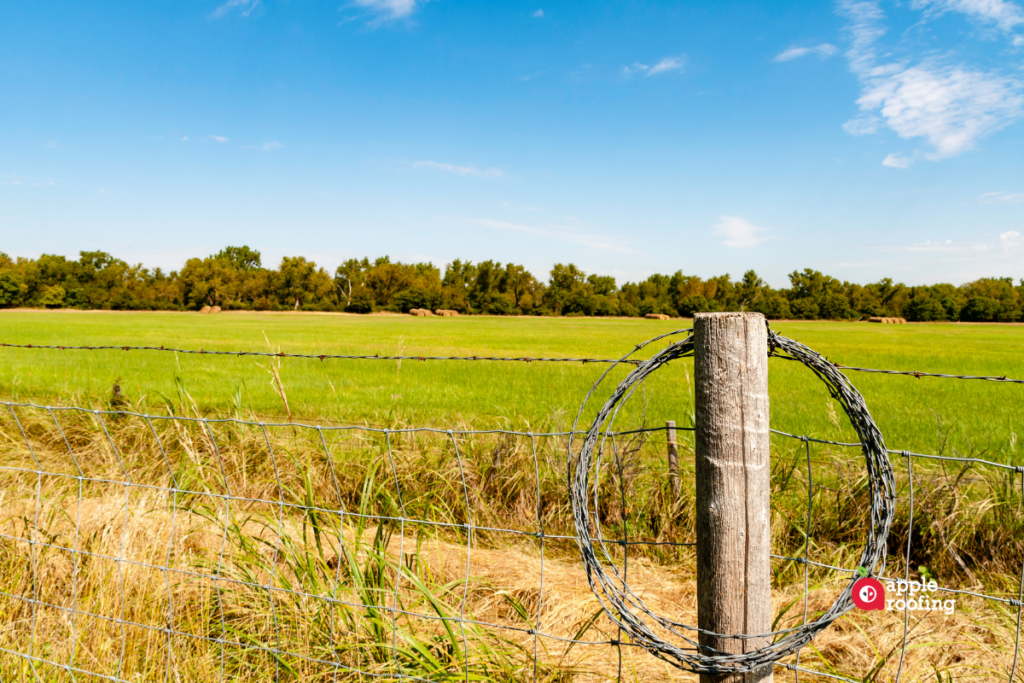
174, 550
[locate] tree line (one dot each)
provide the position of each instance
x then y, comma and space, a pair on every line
236, 279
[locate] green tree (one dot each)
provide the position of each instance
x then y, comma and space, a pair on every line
350, 280
564, 284
300, 282
240, 258
456, 285
10, 291
52, 297
522, 286
208, 282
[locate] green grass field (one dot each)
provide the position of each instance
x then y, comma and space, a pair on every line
925, 415
965, 526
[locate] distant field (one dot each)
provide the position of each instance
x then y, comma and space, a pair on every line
913, 414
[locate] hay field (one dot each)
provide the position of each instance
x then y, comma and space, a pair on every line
920, 415
184, 625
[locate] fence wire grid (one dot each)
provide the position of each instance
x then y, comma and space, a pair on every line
138, 547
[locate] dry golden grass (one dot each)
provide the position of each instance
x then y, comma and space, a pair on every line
163, 586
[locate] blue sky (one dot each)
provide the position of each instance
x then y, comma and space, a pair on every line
862, 139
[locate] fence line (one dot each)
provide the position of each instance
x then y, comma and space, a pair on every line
397, 580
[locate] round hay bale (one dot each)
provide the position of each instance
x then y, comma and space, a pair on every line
215, 309
204, 309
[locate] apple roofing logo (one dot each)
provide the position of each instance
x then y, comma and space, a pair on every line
868, 592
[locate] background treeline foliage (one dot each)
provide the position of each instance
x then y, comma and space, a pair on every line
236, 279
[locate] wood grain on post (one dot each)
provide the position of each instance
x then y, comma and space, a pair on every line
673, 459
733, 485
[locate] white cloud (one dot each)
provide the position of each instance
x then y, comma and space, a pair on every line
562, 233
1002, 198
823, 50
184, 139
460, 170
245, 7
1011, 240
539, 14
668, 64
266, 145
951, 106
665, 65
865, 124
739, 232
897, 161
388, 10
1006, 16
947, 247
218, 138
50, 144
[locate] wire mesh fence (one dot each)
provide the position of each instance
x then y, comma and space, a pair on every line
138, 547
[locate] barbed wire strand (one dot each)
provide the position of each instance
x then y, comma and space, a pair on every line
311, 356
919, 374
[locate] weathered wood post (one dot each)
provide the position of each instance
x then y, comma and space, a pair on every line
733, 485
673, 459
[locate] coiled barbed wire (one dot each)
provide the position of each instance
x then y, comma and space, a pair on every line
627, 609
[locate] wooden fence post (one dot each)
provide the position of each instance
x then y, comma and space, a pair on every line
733, 485
673, 459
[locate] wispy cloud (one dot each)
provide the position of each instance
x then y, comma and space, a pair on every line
1011, 240
16, 180
218, 138
739, 233
897, 161
50, 144
861, 264
266, 145
1002, 198
387, 10
244, 7
561, 233
666, 65
529, 77
951, 106
1005, 16
946, 247
539, 14
460, 170
823, 50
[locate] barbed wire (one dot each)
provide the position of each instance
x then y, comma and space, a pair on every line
627, 608
475, 357
310, 356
